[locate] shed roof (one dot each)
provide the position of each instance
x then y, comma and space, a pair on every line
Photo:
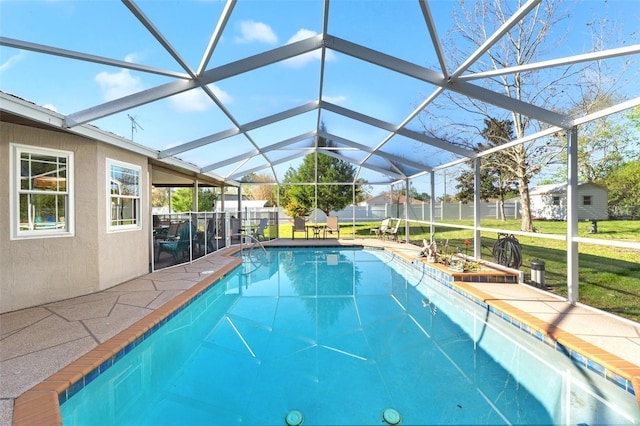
560, 188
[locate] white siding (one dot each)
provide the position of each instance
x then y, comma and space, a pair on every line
542, 206
598, 208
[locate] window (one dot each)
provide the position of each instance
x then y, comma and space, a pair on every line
586, 200
41, 192
124, 196
556, 200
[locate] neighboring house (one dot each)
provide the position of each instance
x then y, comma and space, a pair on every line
384, 199
75, 206
550, 202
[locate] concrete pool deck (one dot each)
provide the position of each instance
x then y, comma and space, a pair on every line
46, 348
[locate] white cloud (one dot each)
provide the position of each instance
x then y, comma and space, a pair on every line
117, 85
50, 107
301, 35
9, 62
335, 99
132, 57
197, 100
302, 60
221, 94
256, 31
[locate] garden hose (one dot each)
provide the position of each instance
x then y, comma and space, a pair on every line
506, 251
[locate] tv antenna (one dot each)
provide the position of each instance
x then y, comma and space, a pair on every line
134, 125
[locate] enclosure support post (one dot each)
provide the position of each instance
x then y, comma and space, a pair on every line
407, 185
194, 196
572, 214
432, 205
476, 208
353, 210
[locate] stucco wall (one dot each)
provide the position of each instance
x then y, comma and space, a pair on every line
41, 270
123, 254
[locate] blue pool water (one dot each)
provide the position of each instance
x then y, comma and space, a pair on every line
341, 335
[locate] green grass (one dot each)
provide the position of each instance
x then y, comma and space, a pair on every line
609, 277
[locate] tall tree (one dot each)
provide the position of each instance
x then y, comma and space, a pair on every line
182, 199
413, 193
624, 190
604, 144
633, 115
523, 44
159, 197
260, 192
466, 187
501, 165
330, 191
607, 143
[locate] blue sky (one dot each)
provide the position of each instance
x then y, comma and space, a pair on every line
108, 28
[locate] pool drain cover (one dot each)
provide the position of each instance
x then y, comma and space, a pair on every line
391, 416
294, 418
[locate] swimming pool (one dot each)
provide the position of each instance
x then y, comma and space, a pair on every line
341, 335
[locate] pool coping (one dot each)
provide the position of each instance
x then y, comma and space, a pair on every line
620, 372
41, 403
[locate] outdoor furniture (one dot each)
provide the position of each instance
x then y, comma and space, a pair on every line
168, 231
177, 247
215, 234
299, 225
392, 233
315, 229
259, 232
332, 226
379, 231
235, 226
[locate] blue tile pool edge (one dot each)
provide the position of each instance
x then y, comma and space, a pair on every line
580, 359
86, 379
441, 277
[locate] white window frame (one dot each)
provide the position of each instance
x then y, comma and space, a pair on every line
32, 232
137, 198
586, 198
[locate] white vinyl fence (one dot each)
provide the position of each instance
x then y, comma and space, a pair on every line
443, 212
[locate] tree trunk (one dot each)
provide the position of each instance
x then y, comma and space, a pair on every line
526, 223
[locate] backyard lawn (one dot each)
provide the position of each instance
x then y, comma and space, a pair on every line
609, 276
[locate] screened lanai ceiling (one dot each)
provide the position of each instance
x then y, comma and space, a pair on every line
242, 87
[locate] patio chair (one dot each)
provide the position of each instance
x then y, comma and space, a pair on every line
235, 228
168, 230
392, 232
299, 225
259, 232
179, 246
384, 225
332, 226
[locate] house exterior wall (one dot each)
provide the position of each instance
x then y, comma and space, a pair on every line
40, 270
598, 210
542, 206
123, 254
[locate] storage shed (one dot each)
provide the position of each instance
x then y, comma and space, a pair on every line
550, 201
